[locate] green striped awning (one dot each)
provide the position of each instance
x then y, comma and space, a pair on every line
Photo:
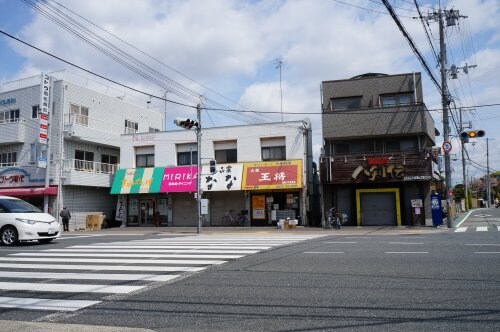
137, 180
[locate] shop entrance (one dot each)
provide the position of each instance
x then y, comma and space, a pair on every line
146, 212
378, 207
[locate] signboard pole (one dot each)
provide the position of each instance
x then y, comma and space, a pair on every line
44, 107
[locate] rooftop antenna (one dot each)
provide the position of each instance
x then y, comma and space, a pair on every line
279, 64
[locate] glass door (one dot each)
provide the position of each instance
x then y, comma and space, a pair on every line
146, 212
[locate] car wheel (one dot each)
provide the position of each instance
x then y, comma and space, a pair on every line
45, 241
9, 235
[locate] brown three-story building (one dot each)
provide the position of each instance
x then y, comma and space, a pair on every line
379, 164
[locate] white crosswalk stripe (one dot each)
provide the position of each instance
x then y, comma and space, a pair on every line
120, 267
476, 229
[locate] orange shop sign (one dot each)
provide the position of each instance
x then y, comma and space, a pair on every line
272, 175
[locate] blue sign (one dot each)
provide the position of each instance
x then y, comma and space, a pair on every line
437, 210
8, 101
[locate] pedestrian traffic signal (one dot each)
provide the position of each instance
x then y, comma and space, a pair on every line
465, 135
185, 123
213, 166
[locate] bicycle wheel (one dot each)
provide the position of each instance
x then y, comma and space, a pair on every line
242, 221
226, 221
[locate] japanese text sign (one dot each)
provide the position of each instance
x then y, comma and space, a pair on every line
272, 175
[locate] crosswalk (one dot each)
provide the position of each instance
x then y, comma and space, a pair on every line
80, 276
477, 229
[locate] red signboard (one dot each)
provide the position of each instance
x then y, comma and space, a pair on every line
272, 175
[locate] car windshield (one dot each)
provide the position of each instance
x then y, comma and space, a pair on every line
18, 206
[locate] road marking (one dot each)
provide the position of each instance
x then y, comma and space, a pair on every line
95, 254
340, 242
406, 243
44, 304
174, 247
460, 229
482, 244
88, 276
117, 261
406, 252
482, 229
357, 237
77, 236
104, 267
487, 252
323, 252
68, 288
191, 251
498, 228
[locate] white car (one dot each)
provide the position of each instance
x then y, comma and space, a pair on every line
21, 221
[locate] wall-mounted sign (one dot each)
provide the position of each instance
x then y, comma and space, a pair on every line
7, 101
259, 207
378, 172
226, 177
272, 175
44, 108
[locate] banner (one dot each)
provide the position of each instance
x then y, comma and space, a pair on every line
272, 175
44, 108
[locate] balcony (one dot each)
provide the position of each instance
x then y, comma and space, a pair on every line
13, 131
85, 128
88, 173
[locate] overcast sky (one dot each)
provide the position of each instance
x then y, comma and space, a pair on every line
227, 51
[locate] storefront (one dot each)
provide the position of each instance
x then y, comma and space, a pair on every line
262, 192
27, 184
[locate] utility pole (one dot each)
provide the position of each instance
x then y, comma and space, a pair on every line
462, 141
487, 175
446, 126
198, 164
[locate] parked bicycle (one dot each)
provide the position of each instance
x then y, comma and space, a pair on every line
336, 218
232, 219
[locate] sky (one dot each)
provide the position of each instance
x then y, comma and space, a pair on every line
267, 58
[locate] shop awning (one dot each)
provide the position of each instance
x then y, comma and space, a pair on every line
38, 191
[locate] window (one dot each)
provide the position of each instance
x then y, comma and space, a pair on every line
346, 103
79, 114
273, 148
187, 154
145, 160
108, 163
409, 144
226, 156
131, 127
35, 111
396, 100
341, 148
9, 116
8, 158
153, 130
226, 152
84, 160
109, 159
391, 146
273, 153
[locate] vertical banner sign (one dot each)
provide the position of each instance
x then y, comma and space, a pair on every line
44, 108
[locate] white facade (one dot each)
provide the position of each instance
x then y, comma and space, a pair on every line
85, 124
246, 143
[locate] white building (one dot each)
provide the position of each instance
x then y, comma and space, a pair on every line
82, 150
263, 172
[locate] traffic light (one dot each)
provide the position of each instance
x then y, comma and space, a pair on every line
465, 135
185, 123
213, 166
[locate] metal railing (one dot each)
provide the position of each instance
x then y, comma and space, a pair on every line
89, 166
86, 121
15, 120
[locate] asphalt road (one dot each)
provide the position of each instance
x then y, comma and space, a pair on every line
349, 280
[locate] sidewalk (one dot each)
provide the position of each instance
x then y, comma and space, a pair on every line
264, 231
19, 326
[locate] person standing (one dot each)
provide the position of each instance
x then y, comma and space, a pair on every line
157, 219
66, 216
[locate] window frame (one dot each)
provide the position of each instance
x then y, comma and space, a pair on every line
272, 151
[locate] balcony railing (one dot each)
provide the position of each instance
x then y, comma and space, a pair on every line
89, 166
11, 164
15, 120
86, 121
